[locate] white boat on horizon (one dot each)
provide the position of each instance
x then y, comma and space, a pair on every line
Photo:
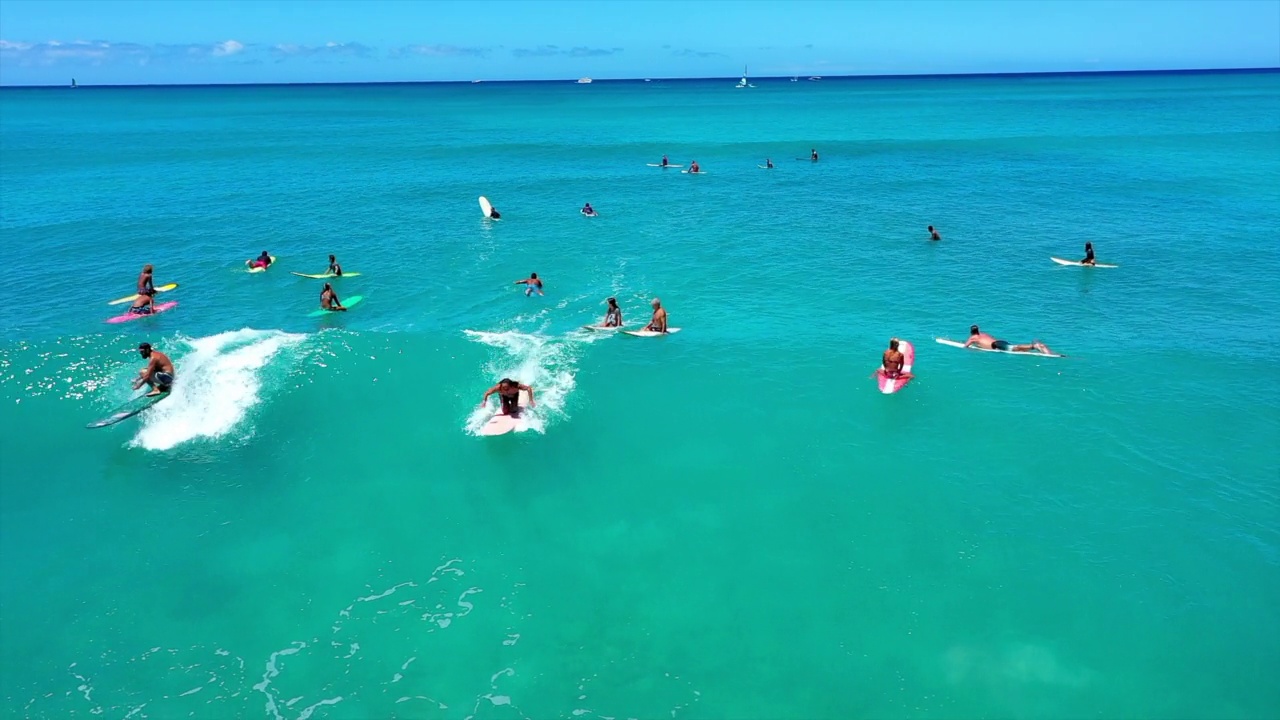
743, 82
815, 78
584, 81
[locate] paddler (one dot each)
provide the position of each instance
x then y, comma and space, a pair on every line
933, 234
1088, 255
531, 283
158, 373
329, 300
262, 261
508, 391
146, 285
892, 361
334, 268
986, 342
693, 167
588, 210
658, 323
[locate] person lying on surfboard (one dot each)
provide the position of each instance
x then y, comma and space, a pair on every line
143, 305
329, 299
530, 283
933, 234
588, 210
613, 315
158, 373
334, 268
892, 361
1088, 255
508, 391
262, 261
986, 342
146, 285
659, 321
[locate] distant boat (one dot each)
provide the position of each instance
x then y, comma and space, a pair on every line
743, 82
73, 83
584, 81
815, 78
476, 82
795, 79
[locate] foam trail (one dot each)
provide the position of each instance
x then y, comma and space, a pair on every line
219, 379
545, 363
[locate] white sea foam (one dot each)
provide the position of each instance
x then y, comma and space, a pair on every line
547, 364
219, 378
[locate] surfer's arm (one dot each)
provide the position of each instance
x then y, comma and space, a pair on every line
529, 389
970, 341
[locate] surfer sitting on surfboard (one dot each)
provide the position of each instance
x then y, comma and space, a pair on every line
143, 305
329, 299
813, 155
158, 373
768, 163
892, 361
659, 321
613, 315
334, 268
530, 284
985, 341
262, 261
508, 391
693, 167
588, 210
664, 161
146, 286
1088, 255
933, 234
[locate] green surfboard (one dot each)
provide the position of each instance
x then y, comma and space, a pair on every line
325, 276
349, 302
128, 410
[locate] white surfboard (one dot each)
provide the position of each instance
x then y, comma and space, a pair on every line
764, 167
690, 172
500, 424
485, 207
955, 343
604, 328
1077, 263
650, 333
668, 165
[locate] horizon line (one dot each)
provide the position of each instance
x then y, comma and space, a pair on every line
896, 76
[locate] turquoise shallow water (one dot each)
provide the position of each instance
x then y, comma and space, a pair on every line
726, 523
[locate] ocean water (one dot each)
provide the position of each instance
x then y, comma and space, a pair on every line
726, 523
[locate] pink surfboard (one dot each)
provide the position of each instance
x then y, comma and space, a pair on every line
888, 385
159, 308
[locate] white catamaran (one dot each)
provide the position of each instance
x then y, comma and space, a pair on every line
743, 82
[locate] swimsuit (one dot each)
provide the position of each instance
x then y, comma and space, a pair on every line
1001, 345
162, 380
141, 310
510, 404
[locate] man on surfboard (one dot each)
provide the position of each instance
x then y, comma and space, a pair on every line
933, 234
986, 342
813, 155
143, 304
588, 210
659, 321
530, 283
893, 360
158, 373
334, 268
508, 391
664, 161
329, 299
768, 163
262, 261
693, 167
146, 285
1088, 255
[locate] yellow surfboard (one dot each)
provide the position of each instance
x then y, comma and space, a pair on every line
131, 298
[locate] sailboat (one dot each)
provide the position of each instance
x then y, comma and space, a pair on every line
743, 82
73, 83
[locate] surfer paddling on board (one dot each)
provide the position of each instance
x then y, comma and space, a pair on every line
1088, 255
329, 300
659, 321
158, 373
588, 210
933, 234
508, 391
334, 268
146, 285
986, 342
693, 167
613, 314
531, 283
892, 361
262, 261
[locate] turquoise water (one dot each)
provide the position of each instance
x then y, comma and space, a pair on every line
727, 523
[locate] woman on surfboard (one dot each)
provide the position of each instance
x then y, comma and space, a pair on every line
1088, 255
146, 285
613, 315
329, 300
334, 268
508, 391
893, 360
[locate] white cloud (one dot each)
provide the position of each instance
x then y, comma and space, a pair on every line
227, 47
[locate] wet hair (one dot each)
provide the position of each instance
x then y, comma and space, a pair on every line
613, 302
655, 301
331, 258
264, 252
145, 349
1088, 244
930, 228
533, 276
973, 329
893, 344
327, 286
147, 268
507, 381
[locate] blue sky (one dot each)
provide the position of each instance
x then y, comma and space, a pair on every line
232, 41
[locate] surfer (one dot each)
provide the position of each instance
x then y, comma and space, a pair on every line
659, 321
334, 268
146, 285
508, 391
768, 164
158, 373
613, 315
329, 300
892, 361
142, 305
1088, 255
664, 161
530, 283
494, 214
986, 342
933, 234
813, 155
693, 167
588, 210
262, 261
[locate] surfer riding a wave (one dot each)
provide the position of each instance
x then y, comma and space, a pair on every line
508, 392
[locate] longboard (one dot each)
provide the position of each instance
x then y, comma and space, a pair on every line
131, 298
953, 343
156, 310
764, 167
259, 269
660, 165
888, 385
325, 276
690, 172
500, 424
604, 328
128, 410
1077, 263
485, 207
349, 302
650, 333
587, 214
